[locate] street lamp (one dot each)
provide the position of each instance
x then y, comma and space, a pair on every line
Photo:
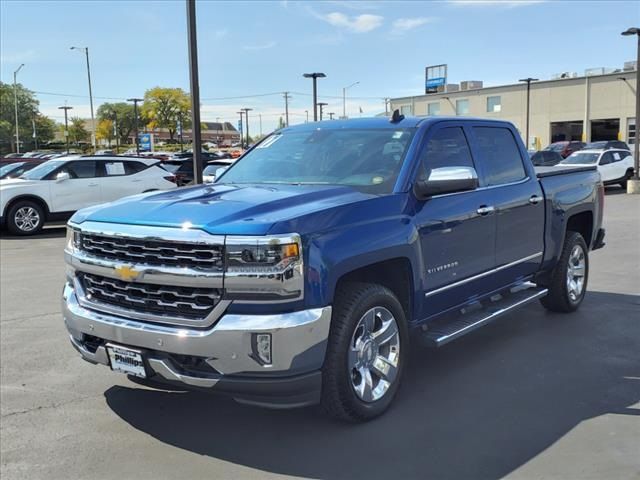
66, 126
321, 105
315, 76
528, 80
135, 116
246, 118
633, 186
15, 99
194, 84
93, 122
344, 98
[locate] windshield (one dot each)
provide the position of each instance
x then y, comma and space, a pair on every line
8, 168
596, 145
366, 159
41, 171
581, 158
556, 147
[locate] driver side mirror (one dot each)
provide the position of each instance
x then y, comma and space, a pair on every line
62, 176
446, 180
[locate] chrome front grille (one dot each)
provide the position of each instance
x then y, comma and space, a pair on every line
153, 252
192, 303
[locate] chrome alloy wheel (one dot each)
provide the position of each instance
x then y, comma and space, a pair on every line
27, 219
576, 271
374, 353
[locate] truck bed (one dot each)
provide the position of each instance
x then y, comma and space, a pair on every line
542, 172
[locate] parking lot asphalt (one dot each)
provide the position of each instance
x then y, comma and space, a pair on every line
533, 395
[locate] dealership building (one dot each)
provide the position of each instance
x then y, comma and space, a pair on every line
598, 105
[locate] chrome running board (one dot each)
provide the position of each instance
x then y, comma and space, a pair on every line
442, 331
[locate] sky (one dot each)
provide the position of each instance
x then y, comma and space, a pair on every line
251, 52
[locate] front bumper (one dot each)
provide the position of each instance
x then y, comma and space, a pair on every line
223, 352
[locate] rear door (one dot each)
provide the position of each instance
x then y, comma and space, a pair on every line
457, 239
120, 180
517, 198
81, 190
607, 167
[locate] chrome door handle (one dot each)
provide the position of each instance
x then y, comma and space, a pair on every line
485, 210
535, 199
93, 184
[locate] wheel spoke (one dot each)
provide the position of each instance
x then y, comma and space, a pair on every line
384, 369
366, 385
387, 333
578, 271
368, 322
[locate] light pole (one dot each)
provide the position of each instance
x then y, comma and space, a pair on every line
344, 98
115, 129
315, 76
15, 99
198, 166
246, 118
260, 117
321, 105
93, 122
307, 113
528, 80
135, 116
331, 114
286, 108
66, 126
634, 185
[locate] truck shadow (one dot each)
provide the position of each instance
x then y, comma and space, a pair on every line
480, 408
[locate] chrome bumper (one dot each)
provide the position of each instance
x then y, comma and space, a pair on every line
298, 341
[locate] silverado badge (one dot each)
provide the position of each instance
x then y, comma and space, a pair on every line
127, 273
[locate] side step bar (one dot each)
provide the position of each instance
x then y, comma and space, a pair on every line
441, 331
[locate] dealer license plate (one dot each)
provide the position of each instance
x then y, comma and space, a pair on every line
126, 360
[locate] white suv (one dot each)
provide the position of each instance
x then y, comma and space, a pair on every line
614, 165
57, 188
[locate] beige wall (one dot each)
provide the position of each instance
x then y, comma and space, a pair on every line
551, 101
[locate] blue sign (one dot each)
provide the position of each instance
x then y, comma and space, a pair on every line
145, 140
432, 84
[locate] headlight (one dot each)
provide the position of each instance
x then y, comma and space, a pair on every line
264, 268
73, 239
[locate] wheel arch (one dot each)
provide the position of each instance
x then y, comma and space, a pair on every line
581, 223
28, 197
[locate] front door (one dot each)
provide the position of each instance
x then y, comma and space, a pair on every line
457, 231
81, 190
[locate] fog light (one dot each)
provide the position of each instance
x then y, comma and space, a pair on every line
262, 347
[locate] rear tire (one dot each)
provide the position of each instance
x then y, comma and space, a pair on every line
366, 352
25, 217
569, 277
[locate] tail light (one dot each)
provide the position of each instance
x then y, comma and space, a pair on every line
171, 178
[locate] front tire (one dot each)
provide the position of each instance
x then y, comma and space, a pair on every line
25, 218
569, 277
366, 352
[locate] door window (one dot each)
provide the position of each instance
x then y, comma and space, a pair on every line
81, 169
447, 147
114, 169
501, 155
606, 158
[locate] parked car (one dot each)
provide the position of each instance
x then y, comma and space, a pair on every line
15, 169
299, 276
615, 166
214, 168
181, 165
57, 188
607, 145
546, 158
565, 148
13, 155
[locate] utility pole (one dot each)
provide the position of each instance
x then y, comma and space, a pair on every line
66, 125
322, 105
115, 130
35, 133
198, 166
15, 99
528, 80
331, 114
286, 108
315, 76
246, 117
307, 112
344, 98
633, 186
135, 115
93, 122
260, 117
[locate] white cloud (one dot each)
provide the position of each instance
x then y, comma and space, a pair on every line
355, 4
263, 46
402, 25
221, 33
363, 23
494, 3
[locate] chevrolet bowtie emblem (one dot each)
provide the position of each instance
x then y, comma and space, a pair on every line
126, 273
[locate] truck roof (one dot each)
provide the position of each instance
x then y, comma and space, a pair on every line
382, 122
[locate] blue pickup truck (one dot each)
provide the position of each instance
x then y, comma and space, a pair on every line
301, 274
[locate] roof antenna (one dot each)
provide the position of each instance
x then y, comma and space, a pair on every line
396, 116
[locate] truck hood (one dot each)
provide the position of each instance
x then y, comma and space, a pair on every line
221, 208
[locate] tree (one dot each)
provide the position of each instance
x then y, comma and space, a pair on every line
163, 107
45, 129
124, 113
104, 130
77, 131
27, 106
